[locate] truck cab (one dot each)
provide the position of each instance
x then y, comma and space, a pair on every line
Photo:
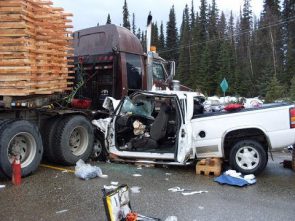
109, 61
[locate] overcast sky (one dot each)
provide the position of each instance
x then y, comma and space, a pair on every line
87, 13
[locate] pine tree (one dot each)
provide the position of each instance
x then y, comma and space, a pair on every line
203, 21
138, 34
126, 22
155, 35
292, 89
270, 44
274, 90
171, 37
289, 40
133, 24
192, 16
161, 45
183, 69
109, 19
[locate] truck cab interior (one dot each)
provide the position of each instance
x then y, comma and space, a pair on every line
148, 124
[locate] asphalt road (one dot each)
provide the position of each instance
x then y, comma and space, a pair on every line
51, 194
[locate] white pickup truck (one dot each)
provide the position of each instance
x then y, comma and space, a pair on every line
170, 127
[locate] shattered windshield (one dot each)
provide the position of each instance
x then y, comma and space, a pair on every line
140, 107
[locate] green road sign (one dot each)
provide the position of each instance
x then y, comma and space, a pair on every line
224, 85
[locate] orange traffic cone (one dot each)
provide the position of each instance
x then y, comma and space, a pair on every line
16, 172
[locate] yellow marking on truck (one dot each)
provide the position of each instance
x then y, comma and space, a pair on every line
57, 168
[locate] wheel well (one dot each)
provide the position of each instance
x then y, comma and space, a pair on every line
246, 134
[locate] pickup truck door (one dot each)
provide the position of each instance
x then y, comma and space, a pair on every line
184, 149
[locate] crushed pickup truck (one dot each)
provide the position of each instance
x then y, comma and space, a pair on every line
171, 127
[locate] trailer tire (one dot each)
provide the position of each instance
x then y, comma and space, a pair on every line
248, 157
48, 131
73, 140
22, 137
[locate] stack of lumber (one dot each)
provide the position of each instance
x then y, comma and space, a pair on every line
35, 43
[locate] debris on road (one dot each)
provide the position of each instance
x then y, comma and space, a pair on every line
171, 218
176, 189
209, 166
233, 178
110, 187
135, 189
87, 171
137, 175
2, 186
194, 192
62, 211
115, 183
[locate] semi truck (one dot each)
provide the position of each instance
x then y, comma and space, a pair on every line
108, 61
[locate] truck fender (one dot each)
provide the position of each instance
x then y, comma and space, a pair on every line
244, 128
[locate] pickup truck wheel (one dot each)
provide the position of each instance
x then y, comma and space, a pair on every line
73, 140
23, 139
248, 156
99, 152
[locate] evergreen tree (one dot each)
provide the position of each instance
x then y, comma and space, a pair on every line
133, 24
126, 22
203, 21
289, 40
161, 44
171, 36
292, 89
109, 19
138, 34
270, 44
274, 90
155, 35
192, 16
183, 69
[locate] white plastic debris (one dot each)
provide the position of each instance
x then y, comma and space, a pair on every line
194, 192
115, 183
137, 175
250, 178
135, 189
176, 189
87, 171
2, 186
171, 218
62, 211
200, 207
233, 173
168, 174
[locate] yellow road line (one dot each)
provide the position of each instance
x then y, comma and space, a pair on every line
57, 168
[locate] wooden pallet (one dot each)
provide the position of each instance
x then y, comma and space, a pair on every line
35, 44
209, 166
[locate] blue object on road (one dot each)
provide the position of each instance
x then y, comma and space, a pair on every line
225, 179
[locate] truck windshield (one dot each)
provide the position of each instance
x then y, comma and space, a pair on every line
140, 107
158, 71
134, 71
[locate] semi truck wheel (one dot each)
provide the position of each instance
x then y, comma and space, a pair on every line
73, 140
23, 139
48, 131
248, 157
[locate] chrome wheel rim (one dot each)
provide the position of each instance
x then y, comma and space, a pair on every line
78, 141
22, 145
247, 158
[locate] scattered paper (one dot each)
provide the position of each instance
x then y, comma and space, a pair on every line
61, 211
201, 207
136, 175
135, 189
110, 187
194, 192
